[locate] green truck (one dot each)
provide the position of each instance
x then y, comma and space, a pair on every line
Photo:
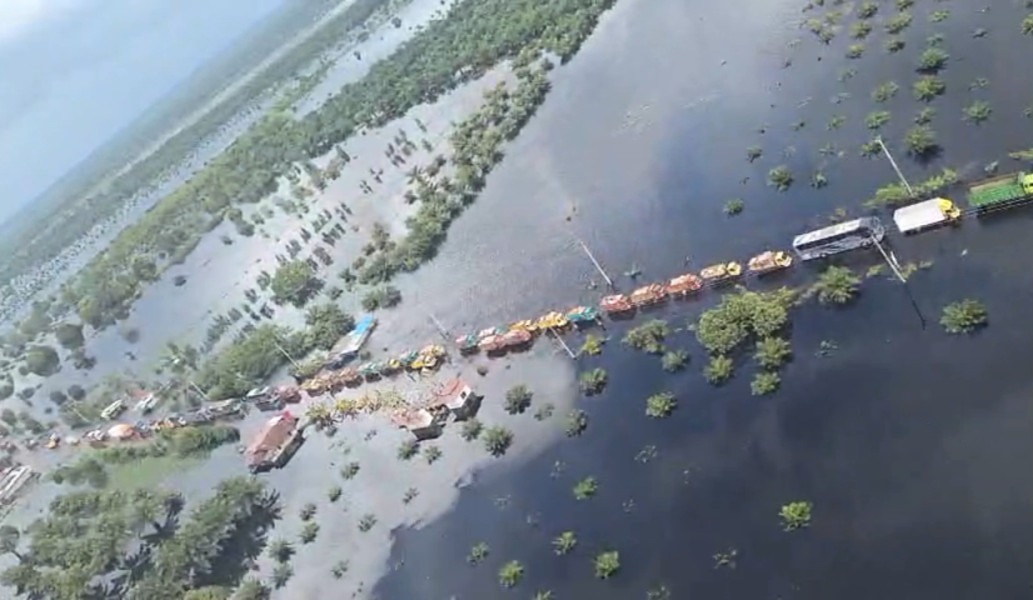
1001, 192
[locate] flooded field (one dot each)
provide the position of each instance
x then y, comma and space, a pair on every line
911, 444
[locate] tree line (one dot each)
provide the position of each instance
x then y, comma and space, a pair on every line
475, 36
139, 545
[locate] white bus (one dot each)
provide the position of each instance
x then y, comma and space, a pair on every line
837, 238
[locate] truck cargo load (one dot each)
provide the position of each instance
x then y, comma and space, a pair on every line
1001, 192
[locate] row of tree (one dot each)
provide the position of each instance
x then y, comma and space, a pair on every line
257, 355
476, 35
138, 545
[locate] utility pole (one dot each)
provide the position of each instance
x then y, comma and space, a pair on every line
562, 343
598, 267
286, 354
198, 390
891, 261
190, 380
441, 328
895, 267
893, 163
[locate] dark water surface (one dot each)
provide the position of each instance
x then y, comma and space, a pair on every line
913, 445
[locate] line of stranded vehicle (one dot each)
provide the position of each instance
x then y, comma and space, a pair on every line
984, 196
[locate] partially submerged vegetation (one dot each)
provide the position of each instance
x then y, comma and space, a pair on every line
476, 35
564, 543
518, 399
977, 112
765, 382
895, 194
921, 141
185, 442
795, 515
780, 178
593, 382
674, 360
742, 315
661, 405
649, 336
836, 285
964, 316
511, 573
497, 440
607, 564
928, 87
586, 488
87, 537
885, 91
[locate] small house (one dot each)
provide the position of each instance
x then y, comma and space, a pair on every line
458, 397
274, 444
420, 422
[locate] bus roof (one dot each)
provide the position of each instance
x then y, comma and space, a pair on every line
831, 231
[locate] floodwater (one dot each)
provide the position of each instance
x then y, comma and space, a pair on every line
912, 445
160, 315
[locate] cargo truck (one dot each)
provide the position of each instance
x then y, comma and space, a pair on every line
1001, 192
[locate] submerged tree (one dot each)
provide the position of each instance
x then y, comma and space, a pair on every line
593, 345
478, 552
795, 515
340, 568
661, 405
977, 112
885, 91
282, 573
921, 141
511, 573
932, 59
965, 316
593, 382
281, 551
518, 399
836, 285
867, 10
719, 370
497, 440
893, 45
309, 531
607, 564
294, 282
877, 119
898, 23
928, 87
741, 315
649, 336
765, 382
471, 429
772, 352
564, 543
674, 360
734, 207
431, 454
586, 488
577, 422
780, 178
408, 449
